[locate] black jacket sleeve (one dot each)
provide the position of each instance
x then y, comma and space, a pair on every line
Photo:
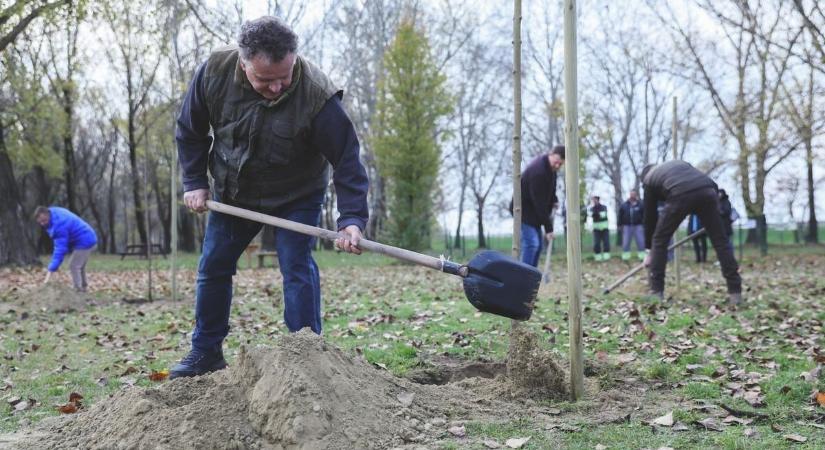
192, 135
333, 134
651, 214
541, 193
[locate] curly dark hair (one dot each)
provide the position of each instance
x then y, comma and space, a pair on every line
268, 36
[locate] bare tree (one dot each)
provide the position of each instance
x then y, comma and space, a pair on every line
807, 124
751, 109
137, 59
14, 19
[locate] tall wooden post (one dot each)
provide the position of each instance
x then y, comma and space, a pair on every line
516, 250
173, 197
677, 252
571, 178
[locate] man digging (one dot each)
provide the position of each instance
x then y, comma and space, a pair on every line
274, 122
684, 190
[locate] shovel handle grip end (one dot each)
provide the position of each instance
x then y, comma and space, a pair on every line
455, 269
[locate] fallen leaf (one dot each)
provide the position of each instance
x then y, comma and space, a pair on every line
14, 400
739, 420
811, 376
680, 426
625, 358
665, 421
601, 447
159, 376
750, 432
129, 370
75, 397
68, 408
795, 437
516, 442
776, 428
820, 398
491, 444
665, 448
458, 431
710, 424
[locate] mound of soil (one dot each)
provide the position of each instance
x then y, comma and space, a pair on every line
301, 394
532, 370
51, 297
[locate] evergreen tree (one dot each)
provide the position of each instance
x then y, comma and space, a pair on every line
411, 99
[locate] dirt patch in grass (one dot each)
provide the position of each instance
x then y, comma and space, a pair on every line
303, 393
50, 297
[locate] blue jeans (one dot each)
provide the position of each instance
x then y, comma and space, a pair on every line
530, 244
226, 239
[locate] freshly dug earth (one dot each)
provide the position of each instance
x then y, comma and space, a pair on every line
301, 394
531, 370
52, 297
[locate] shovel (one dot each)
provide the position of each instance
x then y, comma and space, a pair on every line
641, 266
493, 283
546, 277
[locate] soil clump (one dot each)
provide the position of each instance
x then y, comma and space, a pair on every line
51, 297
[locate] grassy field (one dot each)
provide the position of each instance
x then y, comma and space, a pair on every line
691, 356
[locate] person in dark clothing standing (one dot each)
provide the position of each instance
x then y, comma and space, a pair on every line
631, 222
601, 234
684, 191
267, 124
538, 196
726, 212
700, 243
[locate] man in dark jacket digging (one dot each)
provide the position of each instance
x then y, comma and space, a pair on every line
267, 124
684, 190
538, 196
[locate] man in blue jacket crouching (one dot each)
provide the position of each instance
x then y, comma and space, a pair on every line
70, 235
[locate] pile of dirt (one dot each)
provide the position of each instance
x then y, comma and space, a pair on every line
51, 297
301, 394
531, 370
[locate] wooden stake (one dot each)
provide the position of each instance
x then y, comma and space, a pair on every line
677, 252
173, 197
571, 178
516, 129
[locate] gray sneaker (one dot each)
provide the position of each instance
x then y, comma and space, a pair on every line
735, 298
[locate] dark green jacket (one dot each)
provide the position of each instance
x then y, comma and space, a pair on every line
260, 155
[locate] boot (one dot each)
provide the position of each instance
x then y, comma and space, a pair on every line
198, 362
735, 299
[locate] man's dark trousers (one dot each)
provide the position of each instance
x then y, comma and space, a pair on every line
226, 239
704, 203
601, 241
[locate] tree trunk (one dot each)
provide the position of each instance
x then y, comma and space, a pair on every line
164, 213
378, 206
68, 148
460, 216
482, 242
14, 249
813, 227
111, 204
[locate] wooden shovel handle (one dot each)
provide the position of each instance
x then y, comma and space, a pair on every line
641, 266
372, 246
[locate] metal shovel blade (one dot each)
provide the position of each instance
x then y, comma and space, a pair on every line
500, 285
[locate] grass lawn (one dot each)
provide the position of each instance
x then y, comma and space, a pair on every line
691, 357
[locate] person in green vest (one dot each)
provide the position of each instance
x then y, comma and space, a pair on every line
259, 128
601, 235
